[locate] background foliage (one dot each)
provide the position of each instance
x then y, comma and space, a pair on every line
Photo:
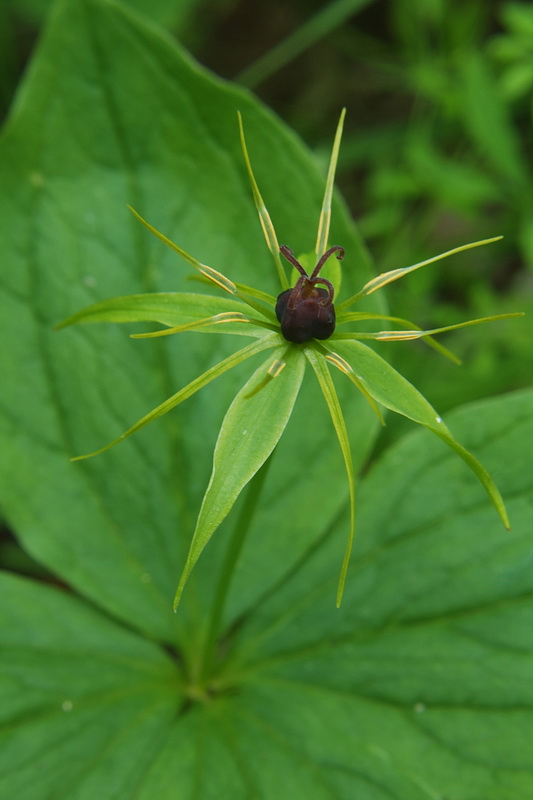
421, 685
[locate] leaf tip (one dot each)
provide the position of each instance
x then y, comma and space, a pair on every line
340, 593
177, 598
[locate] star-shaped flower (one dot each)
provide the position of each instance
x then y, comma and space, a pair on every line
299, 329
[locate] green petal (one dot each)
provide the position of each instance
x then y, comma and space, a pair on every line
264, 217
228, 318
251, 429
362, 316
318, 362
390, 336
212, 274
393, 275
268, 341
393, 391
325, 214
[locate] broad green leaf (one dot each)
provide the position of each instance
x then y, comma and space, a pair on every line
420, 684
250, 431
169, 308
86, 704
393, 391
418, 687
98, 125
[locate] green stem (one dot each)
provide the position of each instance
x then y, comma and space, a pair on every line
251, 499
325, 21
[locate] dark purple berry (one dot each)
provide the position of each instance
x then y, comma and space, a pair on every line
306, 311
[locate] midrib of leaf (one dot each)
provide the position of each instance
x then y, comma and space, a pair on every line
250, 642
285, 745
251, 672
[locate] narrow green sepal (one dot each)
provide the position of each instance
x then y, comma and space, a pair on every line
250, 430
264, 217
393, 275
393, 391
265, 343
325, 213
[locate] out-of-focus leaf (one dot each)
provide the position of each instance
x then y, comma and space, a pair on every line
488, 120
169, 13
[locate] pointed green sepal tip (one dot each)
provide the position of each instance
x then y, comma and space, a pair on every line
265, 221
379, 281
325, 213
179, 592
265, 343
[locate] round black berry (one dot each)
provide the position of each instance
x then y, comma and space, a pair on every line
306, 311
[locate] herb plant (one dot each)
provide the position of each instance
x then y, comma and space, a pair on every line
419, 685
255, 422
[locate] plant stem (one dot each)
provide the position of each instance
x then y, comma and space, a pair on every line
314, 29
251, 498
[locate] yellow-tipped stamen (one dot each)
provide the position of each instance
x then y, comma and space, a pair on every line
393, 275
264, 217
325, 213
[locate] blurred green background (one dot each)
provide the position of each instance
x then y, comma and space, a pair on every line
437, 148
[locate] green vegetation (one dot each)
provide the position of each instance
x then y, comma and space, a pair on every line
419, 686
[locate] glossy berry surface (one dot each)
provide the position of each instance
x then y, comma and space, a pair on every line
306, 311
306, 318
